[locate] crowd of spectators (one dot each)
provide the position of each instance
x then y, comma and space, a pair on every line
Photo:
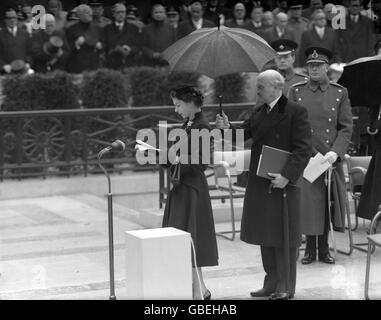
91, 35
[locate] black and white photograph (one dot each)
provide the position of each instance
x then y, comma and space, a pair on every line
189, 156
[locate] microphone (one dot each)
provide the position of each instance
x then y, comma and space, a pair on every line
117, 146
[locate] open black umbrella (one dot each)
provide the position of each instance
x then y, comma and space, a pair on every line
219, 51
362, 78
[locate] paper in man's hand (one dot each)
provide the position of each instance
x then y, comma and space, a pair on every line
315, 168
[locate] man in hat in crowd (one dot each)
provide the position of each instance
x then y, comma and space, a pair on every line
173, 15
98, 17
132, 16
330, 116
195, 22
121, 40
14, 42
49, 48
157, 36
284, 62
84, 38
319, 36
297, 23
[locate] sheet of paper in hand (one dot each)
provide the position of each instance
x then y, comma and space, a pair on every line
315, 168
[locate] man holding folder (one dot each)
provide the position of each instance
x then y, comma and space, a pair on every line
280, 124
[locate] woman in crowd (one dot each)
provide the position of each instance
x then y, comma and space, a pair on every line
188, 206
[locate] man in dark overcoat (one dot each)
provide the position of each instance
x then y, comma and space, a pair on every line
14, 42
84, 39
121, 40
319, 35
358, 37
195, 22
282, 124
330, 115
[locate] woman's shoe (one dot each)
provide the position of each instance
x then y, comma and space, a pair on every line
207, 295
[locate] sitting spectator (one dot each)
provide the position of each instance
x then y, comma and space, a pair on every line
211, 12
98, 17
280, 30
14, 42
55, 8
84, 38
238, 20
268, 19
255, 24
49, 48
195, 22
319, 36
121, 40
158, 36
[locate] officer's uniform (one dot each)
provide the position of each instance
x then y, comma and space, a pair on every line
330, 117
283, 47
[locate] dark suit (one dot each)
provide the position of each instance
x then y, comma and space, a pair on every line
86, 57
129, 35
286, 127
357, 39
258, 30
14, 48
186, 27
42, 60
271, 35
310, 38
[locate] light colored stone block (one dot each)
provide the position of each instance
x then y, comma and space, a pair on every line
158, 264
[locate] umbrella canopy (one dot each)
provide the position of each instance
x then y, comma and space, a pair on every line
218, 51
362, 79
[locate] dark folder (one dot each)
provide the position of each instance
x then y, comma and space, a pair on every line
271, 160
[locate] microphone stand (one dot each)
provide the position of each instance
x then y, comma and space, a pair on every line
110, 225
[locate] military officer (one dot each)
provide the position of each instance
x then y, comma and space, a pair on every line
284, 62
330, 116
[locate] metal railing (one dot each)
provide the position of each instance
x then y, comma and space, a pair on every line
66, 142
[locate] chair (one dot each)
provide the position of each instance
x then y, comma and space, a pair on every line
357, 167
374, 239
225, 168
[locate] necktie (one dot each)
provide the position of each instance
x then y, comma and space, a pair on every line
354, 18
268, 108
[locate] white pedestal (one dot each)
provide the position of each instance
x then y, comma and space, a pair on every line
158, 264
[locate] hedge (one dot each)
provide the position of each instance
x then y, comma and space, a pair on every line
54, 90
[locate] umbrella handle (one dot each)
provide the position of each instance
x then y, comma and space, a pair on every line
220, 107
372, 133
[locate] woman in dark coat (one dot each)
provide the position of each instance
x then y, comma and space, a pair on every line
188, 206
371, 192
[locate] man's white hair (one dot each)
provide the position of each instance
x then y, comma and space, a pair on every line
273, 77
49, 18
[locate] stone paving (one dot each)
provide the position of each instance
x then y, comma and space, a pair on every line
57, 248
